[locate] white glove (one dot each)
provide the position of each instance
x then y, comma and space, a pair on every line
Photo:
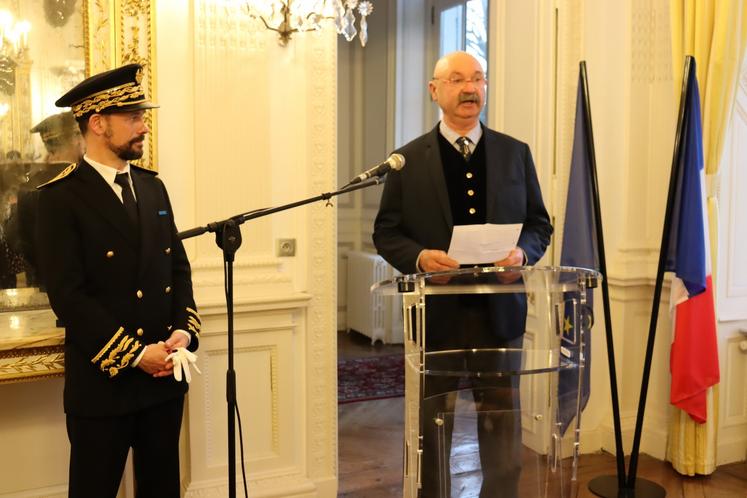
181, 358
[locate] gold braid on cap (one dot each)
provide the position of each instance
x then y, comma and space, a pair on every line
118, 96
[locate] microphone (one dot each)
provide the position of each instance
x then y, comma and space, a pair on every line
395, 162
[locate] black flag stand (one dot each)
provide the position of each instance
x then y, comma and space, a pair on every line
676, 166
228, 238
643, 488
620, 455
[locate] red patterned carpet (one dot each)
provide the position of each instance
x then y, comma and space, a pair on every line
375, 377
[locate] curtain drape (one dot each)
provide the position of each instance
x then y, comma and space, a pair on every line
715, 33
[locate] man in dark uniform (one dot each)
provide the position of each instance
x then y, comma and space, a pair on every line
64, 145
61, 137
463, 173
118, 278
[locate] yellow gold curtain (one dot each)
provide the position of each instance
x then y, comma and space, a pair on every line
715, 33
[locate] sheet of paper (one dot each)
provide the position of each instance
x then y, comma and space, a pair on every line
478, 244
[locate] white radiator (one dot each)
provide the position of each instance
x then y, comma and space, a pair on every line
376, 316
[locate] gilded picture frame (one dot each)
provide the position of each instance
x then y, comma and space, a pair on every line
121, 32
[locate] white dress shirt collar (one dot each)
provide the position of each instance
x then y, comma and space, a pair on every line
475, 134
109, 173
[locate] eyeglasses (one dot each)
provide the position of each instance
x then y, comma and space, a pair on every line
459, 81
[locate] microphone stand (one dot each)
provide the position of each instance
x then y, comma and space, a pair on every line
228, 238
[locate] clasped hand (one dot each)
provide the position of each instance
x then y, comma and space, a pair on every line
169, 358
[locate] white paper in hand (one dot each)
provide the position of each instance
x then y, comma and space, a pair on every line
479, 244
182, 359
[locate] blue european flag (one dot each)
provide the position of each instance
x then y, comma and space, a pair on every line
580, 249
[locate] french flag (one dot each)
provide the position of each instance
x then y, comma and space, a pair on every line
694, 354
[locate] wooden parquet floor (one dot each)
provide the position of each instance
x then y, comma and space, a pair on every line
370, 450
370, 460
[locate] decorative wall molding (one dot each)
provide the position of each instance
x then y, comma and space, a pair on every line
651, 128
201, 280
24, 364
731, 283
734, 363
47, 492
286, 485
268, 350
568, 46
228, 27
242, 262
731, 277
321, 374
651, 58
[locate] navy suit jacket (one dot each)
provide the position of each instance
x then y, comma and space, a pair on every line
415, 214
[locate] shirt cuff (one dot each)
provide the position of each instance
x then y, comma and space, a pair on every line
418, 269
139, 357
189, 337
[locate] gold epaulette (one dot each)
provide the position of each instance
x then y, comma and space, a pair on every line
141, 168
65, 172
116, 355
194, 322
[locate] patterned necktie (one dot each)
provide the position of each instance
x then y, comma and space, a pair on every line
463, 143
128, 199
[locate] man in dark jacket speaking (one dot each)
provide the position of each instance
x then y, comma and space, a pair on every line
463, 173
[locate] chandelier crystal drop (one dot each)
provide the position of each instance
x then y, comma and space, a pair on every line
286, 17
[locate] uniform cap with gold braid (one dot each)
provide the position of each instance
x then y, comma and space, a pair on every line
117, 90
57, 128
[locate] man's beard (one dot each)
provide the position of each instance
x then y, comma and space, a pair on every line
127, 152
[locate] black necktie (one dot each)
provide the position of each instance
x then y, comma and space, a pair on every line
128, 199
463, 143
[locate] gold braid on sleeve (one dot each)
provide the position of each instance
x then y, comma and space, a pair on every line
112, 358
194, 322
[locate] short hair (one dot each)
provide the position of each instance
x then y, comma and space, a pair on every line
83, 125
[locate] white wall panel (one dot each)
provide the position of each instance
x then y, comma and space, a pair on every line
732, 274
32, 430
731, 280
249, 124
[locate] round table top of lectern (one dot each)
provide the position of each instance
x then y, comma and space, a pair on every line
492, 280
485, 363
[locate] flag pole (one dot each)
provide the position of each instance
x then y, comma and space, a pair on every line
676, 164
620, 455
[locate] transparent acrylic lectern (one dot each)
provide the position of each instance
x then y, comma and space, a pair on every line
494, 363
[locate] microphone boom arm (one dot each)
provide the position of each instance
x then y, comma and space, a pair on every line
238, 219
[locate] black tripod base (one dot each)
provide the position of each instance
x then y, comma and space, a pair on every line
607, 487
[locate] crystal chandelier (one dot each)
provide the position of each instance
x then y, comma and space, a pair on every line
295, 16
14, 44
14, 35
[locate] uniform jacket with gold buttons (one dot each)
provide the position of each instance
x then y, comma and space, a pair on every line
114, 286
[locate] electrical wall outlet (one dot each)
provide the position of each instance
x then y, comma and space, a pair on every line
286, 247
